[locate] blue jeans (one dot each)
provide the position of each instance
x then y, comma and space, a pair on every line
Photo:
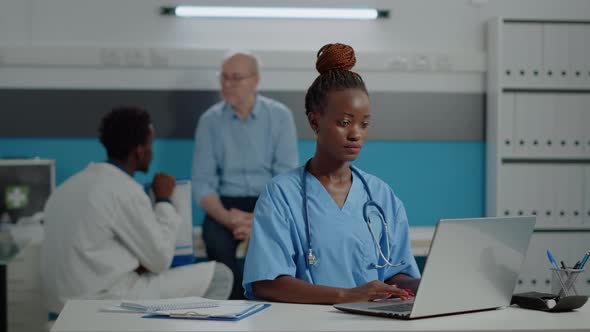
221, 245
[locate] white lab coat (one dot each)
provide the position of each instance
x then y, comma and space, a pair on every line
99, 227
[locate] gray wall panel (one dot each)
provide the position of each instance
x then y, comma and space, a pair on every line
76, 113
411, 116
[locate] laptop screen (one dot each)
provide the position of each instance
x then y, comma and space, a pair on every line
473, 264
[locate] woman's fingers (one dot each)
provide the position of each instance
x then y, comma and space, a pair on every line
383, 291
401, 293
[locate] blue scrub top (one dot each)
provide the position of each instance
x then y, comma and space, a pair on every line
345, 252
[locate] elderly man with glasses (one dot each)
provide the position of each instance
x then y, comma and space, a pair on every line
240, 144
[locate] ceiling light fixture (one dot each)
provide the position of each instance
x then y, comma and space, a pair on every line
275, 12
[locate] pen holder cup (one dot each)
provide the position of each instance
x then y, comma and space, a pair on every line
563, 281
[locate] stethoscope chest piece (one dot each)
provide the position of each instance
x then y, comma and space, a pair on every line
311, 260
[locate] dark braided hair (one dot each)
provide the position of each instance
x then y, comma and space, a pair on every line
123, 129
334, 62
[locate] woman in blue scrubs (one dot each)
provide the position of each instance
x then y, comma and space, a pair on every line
328, 232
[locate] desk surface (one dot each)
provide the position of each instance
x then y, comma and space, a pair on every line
85, 316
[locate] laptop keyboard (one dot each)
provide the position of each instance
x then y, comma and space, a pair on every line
395, 308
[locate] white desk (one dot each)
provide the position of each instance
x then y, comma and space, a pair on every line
84, 316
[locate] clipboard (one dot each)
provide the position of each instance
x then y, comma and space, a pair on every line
251, 310
183, 203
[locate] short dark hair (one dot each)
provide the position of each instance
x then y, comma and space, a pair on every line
123, 129
334, 63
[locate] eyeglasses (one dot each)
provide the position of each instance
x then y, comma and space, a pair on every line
234, 78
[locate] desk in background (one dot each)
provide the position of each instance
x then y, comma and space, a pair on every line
85, 316
8, 250
25, 306
420, 238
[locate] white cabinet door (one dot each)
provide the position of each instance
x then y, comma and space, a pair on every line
587, 198
585, 104
522, 54
569, 125
534, 125
578, 52
555, 54
569, 191
532, 189
546, 214
506, 125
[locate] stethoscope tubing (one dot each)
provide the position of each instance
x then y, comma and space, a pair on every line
311, 259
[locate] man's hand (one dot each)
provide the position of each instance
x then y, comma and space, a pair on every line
241, 223
239, 218
242, 233
163, 185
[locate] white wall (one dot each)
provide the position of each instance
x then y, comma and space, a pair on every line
77, 33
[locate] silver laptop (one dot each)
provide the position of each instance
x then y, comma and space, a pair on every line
472, 265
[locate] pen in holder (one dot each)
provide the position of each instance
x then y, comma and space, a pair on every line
563, 281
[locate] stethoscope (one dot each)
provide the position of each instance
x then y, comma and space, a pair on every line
311, 258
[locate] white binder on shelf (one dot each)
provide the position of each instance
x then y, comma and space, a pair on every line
569, 125
522, 127
506, 125
560, 192
569, 193
507, 197
544, 124
576, 110
532, 189
585, 100
575, 183
555, 54
534, 124
512, 54
522, 54
519, 190
586, 81
587, 197
534, 55
546, 213
532, 269
578, 51
561, 148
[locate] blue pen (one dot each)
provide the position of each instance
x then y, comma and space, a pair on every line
551, 259
584, 259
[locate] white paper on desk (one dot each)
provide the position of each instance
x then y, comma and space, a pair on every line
118, 309
184, 302
226, 309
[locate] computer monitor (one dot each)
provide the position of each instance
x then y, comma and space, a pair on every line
25, 186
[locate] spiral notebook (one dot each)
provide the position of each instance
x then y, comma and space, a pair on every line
168, 304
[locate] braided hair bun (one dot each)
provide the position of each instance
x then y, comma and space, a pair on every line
334, 63
335, 57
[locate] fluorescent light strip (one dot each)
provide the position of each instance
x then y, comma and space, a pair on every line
276, 12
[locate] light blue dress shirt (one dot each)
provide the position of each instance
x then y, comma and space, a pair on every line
345, 252
237, 158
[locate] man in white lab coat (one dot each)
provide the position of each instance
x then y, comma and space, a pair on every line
103, 237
